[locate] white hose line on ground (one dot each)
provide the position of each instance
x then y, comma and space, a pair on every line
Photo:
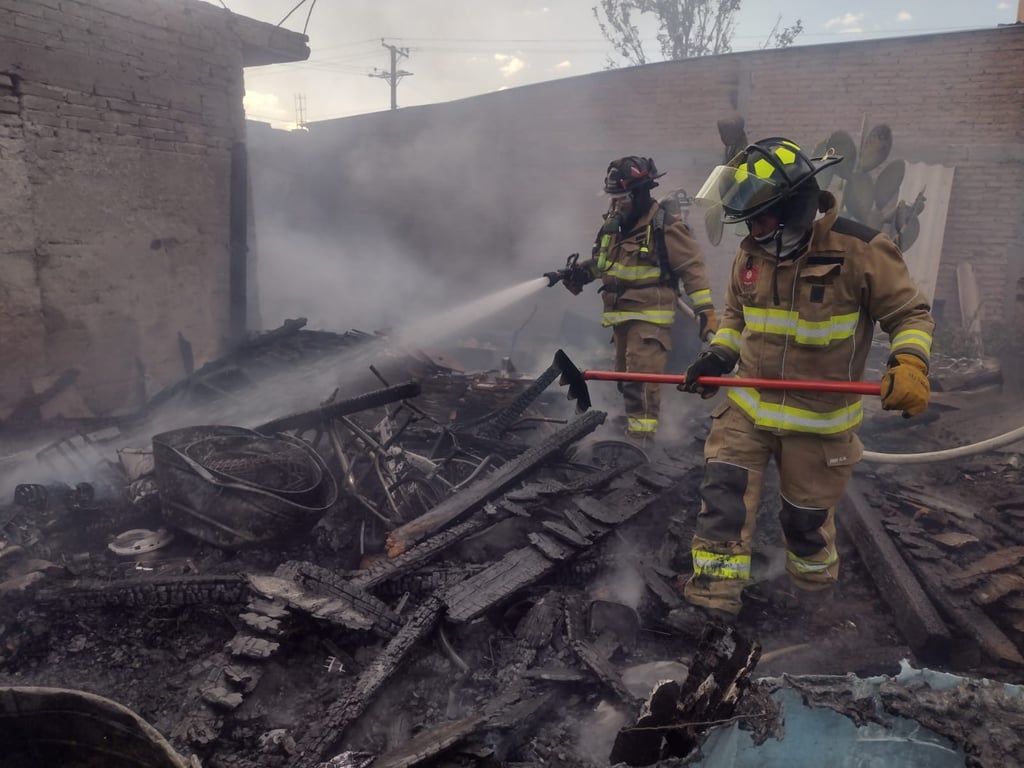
950, 453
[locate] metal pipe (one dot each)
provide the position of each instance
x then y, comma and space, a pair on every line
806, 385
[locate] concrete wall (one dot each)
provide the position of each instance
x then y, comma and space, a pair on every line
503, 186
117, 119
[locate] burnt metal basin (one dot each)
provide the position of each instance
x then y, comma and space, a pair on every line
234, 487
47, 727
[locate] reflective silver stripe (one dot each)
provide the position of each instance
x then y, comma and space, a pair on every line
656, 316
720, 566
785, 322
700, 298
805, 566
776, 416
918, 339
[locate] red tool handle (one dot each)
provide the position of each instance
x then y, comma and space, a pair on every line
807, 385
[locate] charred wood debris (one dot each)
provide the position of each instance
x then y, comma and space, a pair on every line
424, 569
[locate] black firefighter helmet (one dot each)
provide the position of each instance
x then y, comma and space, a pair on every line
763, 176
631, 174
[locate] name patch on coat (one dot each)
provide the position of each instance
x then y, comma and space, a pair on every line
748, 275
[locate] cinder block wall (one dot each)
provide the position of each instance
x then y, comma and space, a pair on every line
117, 119
508, 181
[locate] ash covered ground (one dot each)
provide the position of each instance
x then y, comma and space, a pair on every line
527, 628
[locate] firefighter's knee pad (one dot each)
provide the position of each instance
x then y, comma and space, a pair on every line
800, 526
722, 491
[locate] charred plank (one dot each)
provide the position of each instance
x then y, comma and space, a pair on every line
317, 746
913, 611
324, 413
517, 569
552, 548
423, 552
165, 591
496, 427
592, 659
483, 490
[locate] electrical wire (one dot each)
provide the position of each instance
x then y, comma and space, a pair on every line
293, 10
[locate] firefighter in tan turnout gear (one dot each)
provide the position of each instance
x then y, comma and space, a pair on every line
640, 254
802, 300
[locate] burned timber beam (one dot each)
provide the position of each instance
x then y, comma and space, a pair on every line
497, 426
155, 592
456, 507
913, 612
309, 419
327, 732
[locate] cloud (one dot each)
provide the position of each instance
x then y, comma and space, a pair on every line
562, 65
267, 108
847, 23
1003, 6
904, 16
512, 64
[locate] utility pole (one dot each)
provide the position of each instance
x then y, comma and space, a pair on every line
300, 111
395, 74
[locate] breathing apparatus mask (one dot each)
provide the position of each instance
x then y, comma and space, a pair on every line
795, 215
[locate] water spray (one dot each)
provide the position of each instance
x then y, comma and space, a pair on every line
443, 325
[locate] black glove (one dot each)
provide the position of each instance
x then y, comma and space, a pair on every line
707, 364
575, 278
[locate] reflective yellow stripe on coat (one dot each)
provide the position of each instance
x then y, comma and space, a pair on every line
633, 274
778, 416
786, 322
912, 341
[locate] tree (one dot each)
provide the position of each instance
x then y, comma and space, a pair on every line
686, 28
783, 38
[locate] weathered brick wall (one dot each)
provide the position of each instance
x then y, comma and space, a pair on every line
507, 181
117, 119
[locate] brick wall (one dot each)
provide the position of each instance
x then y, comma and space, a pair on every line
507, 182
117, 119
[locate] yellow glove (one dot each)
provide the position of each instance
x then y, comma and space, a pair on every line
708, 323
905, 385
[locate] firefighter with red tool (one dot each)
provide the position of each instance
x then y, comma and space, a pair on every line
805, 292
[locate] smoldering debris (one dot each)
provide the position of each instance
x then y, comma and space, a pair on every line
422, 566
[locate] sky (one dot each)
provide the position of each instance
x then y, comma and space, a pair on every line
461, 48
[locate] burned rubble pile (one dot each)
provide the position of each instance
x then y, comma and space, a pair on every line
429, 567
400, 574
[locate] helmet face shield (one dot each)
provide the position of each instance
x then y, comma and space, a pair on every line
763, 175
736, 191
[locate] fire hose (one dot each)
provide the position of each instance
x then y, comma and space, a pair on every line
991, 444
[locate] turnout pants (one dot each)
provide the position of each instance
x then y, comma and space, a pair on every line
814, 471
641, 348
